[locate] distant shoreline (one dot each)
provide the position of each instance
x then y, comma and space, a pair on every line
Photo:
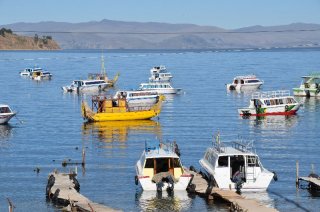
172, 50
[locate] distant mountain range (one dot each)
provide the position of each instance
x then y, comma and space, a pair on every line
108, 34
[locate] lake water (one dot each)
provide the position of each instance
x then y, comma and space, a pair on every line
53, 129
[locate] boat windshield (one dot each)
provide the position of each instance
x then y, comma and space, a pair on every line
5, 110
253, 81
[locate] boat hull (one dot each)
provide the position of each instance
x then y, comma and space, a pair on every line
122, 114
165, 90
279, 110
239, 87
224, 182
142, 101
86, 88
5, 118
306, 92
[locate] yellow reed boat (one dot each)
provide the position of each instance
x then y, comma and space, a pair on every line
108, 109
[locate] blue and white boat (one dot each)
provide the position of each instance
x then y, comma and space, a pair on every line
138, 98
5, 114
86, 85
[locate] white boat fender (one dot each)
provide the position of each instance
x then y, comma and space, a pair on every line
275, 176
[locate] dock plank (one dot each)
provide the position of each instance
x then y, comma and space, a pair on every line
67, 192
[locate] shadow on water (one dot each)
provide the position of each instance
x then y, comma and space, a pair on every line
118, 131
290, 201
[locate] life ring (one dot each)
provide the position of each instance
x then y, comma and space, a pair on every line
286, 108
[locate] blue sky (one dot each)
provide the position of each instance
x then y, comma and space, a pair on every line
229, 14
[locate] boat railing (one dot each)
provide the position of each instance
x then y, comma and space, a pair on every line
246, 77
243, 146
270, 94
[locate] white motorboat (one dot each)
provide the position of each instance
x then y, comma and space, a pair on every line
138, 98
27, 72
245, 82
160, 74
39, 74
5, 114
86, 85
159, 168
309, 86
160, 87
235, 167
271, 103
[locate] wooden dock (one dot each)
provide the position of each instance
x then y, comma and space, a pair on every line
62, 189
313, 179
238, 202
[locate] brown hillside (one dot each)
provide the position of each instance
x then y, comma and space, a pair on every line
10, 41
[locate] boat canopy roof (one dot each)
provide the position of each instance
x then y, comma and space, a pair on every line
246, 77
3, 105
160, 151
271, 94
313, 75
155, 83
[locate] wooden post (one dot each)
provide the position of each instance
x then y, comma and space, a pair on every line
297, 173
83, 156
11, 206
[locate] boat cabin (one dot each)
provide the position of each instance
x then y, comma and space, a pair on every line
234, 162
272, 98
156, 160
102, 104
235, 167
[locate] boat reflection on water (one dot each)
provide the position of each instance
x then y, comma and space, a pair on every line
163, 201
310, 104
118, 131
5, 131
273, 122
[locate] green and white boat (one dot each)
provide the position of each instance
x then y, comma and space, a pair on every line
309, 86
